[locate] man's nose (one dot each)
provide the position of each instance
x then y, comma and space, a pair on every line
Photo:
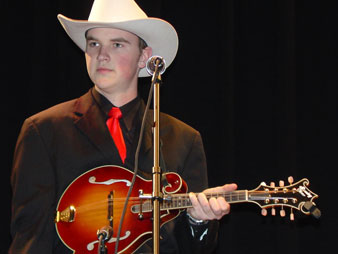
103, 54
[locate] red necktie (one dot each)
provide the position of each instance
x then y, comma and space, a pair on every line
113, 125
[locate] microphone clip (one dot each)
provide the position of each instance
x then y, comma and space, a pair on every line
103, 235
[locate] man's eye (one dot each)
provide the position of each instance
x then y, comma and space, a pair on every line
117, 45
93, 44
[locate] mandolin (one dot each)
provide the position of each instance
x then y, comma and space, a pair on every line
96, 198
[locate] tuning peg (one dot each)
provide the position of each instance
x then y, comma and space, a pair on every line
292, 216
264, 212
273, 211
290, 180
272, 184
281, 183
282, 212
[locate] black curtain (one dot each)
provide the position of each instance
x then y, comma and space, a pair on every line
256, 77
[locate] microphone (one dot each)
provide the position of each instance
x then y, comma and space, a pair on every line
152, 62
105, 232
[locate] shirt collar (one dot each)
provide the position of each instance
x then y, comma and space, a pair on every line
128, 110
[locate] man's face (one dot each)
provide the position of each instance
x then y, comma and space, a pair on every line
114, 59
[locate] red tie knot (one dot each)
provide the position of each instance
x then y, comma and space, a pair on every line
115, 113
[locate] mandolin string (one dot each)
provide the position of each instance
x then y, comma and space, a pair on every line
177, 201
239, 195
180, 197
182, 200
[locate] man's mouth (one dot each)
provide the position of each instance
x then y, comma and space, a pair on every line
103, 70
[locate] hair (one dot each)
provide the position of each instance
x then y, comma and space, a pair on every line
142, 44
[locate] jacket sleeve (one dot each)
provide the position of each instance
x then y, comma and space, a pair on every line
196, 238
33, 185
184, 153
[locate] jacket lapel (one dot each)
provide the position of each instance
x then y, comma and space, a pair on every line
91, 122
146, 159
146, 150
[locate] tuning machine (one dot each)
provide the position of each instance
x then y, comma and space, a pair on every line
278, 201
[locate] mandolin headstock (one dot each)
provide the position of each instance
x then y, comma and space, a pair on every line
295, 195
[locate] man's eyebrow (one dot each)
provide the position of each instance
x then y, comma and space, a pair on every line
118, 39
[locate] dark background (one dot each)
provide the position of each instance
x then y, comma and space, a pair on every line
258, 79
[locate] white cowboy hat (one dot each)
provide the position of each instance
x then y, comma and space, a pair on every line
126, 15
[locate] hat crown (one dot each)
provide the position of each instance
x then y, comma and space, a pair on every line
115, 11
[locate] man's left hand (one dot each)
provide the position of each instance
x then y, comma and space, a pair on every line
214, 208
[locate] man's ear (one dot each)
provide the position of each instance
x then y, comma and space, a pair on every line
146, 54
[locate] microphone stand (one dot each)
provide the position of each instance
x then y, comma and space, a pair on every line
156, 195
102, 249
103, 235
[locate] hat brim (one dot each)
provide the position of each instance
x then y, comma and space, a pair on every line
157, 33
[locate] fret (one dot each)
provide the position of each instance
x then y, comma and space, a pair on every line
231, 197
181, 201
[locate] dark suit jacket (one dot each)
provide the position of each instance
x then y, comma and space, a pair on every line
57, 145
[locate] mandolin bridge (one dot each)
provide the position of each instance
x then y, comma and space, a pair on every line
67, 215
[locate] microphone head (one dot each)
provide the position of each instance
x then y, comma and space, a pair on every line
152, 62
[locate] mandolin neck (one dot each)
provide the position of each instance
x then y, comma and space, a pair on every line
181, 201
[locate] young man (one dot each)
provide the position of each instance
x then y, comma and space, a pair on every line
61, 143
